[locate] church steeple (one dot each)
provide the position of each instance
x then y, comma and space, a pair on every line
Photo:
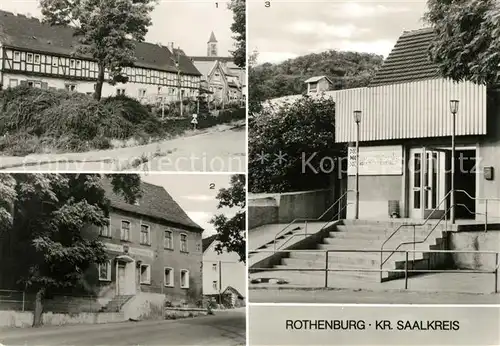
212, 45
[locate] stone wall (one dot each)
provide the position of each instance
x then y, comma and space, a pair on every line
25, 319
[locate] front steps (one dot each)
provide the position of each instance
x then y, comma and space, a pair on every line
362, 235
115, 304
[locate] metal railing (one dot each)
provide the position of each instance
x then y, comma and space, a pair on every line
12, 299
485, 206
407, 270
344, 195
444, 216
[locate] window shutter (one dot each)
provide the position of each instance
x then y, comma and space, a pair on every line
45, 85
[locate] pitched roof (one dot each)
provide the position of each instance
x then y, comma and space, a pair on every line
318, 78
155, 202
409, 60
212, 37
19, 31
208, 241
234, 290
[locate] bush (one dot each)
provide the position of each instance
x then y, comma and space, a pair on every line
75, 121
295, 132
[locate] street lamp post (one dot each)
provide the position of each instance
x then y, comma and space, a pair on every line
357, 120
454, 110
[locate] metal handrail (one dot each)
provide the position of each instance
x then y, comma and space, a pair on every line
331, 220
311, 219
326, 269
382, 261
412, 224
417, 242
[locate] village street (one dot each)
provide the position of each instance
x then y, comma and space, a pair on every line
217, 149
224, 328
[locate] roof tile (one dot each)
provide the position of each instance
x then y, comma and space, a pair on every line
31, 34
409, 60
155, 202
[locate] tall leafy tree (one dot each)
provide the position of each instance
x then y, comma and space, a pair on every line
231, 232
467, 41
105, 29
255, 93
47, 215
239, 29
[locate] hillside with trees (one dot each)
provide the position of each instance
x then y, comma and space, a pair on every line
345, 69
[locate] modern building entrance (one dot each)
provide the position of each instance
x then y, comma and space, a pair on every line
429, 172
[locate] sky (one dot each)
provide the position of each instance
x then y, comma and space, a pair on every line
194, 194
291, 28
186, 23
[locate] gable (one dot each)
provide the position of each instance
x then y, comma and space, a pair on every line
409, 60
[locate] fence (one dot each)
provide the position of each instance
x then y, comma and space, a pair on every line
22, 301
407, 270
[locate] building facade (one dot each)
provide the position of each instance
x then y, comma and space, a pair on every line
221, 272
153, 247
405, 139
44, 56
225, 80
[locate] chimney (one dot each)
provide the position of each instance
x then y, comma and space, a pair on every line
171, 46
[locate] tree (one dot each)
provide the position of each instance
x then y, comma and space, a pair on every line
48, 216
239, 29
231, 232
344, 69
105, 30
467, 39
255, 94
292, 147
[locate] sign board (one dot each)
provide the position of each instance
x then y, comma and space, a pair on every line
131, 250
383, 160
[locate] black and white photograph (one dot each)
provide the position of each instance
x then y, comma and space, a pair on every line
120, 85
122, 259
374, 145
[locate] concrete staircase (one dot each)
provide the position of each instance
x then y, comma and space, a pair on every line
362, 235
116, 303
281, 240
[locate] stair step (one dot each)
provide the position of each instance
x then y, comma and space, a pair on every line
337, 275
420, 234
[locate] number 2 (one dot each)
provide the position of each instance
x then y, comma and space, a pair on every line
212, 186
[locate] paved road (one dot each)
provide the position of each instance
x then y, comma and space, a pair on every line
349, 296
218, 149
224, 328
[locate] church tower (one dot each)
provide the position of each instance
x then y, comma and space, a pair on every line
212, 45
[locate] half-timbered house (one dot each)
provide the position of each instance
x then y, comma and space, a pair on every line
224, 78
44, 56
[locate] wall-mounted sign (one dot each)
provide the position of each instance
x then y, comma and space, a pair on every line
383, 160
130, 250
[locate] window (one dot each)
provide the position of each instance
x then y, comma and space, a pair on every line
214, 267
125, 231
78, 63
38, 85
184, 278
168, 277
70, 87
72, 63
105, 230
145, 239
145, 274
17, 56
13, 83
37, 58
29, 57
105, 271
142, 92
215, 286
168, 242
313, 87
159, 90
120, 92
184, 243
54, 62
31, 84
